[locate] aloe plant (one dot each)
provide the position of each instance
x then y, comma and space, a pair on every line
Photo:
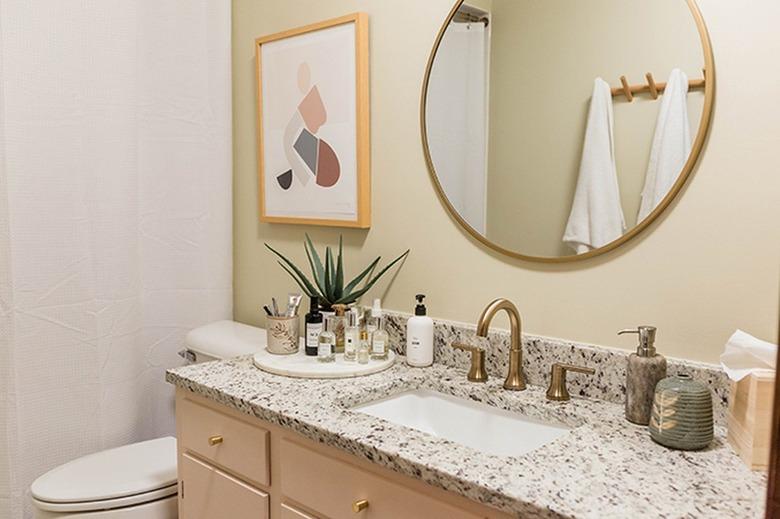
328, 284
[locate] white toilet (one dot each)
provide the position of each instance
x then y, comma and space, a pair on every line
136, 481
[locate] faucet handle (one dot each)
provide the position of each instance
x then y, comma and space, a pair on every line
557, 389
477, 371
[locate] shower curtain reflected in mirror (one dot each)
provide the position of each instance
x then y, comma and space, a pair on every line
458, 138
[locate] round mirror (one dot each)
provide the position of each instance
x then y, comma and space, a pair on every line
557, 130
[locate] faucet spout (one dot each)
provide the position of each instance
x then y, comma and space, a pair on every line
514, 378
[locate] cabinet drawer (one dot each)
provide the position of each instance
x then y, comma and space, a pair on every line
290, 512
209, 493
331, 486
230, 443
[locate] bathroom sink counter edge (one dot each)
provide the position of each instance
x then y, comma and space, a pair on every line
604, 467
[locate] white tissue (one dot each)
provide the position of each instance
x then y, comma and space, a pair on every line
744, 354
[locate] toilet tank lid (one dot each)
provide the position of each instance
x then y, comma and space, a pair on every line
111, 474
226, 339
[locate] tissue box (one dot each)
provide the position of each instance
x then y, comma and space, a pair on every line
750, 418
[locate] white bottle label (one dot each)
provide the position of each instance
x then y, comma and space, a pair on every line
414, 343
325, 349
378, 346
313, 331
349, 344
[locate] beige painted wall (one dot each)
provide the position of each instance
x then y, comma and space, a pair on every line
545, 55
708, 266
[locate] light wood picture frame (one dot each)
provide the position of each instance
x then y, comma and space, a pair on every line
313, 134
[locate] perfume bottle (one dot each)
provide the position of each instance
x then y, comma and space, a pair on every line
326, 343
313, 327
351, 336
374, 315
379, 341
363, 348
339, 325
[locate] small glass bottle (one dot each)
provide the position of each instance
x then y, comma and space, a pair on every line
373, 317
351, 336
363, 348
379, 341
326, 343
339, 325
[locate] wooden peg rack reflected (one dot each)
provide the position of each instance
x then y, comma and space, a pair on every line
651, 87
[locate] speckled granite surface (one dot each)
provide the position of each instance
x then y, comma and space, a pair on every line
605, 467
539, 354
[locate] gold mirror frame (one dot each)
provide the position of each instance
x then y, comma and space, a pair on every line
696, 149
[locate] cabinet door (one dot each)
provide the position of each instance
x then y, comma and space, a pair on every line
206, 492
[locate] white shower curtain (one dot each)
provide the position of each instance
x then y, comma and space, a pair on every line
115, 219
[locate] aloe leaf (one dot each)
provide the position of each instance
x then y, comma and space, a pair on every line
304, 281
300, 283
354, 296
352, 284
332, 268
317, 269
317, 273
328, 276
338, 286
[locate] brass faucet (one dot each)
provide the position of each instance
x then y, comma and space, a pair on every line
514, 378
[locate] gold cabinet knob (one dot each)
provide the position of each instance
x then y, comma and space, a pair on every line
215, 440
359, 506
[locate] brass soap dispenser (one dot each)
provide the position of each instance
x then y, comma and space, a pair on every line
645, 369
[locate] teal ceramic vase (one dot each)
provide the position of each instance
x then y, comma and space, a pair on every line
682, 414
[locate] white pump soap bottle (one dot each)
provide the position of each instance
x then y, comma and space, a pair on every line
419, 336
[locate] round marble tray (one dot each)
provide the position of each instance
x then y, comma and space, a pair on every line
299, 365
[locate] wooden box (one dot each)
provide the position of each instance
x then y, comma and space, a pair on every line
750, 418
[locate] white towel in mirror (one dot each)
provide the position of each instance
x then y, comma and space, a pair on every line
671, 143
596, 217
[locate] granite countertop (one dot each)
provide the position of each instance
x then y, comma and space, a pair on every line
605, 467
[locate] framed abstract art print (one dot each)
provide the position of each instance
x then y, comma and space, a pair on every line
313, 124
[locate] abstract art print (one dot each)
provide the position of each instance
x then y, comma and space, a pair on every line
313, 124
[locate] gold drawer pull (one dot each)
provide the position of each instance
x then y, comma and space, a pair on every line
215, 440
359, 506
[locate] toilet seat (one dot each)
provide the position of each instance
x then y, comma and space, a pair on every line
108, 504
121, 477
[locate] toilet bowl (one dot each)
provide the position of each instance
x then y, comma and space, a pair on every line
136, 481
129, 482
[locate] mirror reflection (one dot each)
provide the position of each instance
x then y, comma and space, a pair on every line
555, 127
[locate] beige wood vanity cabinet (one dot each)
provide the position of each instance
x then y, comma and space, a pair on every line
234, 466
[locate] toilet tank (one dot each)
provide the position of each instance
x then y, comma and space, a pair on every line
222, 340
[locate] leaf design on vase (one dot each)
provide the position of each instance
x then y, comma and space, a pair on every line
664, 425
283, 334
277, 331
665, 399
664, 407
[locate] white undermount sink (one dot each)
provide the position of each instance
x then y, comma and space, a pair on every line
476, 425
